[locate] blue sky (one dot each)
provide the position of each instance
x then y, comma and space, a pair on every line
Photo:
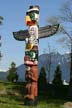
14, 12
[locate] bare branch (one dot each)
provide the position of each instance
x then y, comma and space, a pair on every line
53, 20
66, 10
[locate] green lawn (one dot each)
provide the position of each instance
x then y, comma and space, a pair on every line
17, 102
12, 97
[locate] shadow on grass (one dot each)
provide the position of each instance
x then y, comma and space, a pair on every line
55, 94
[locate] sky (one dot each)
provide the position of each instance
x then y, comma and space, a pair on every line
14, 12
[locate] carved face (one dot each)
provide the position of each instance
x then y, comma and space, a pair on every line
32, 15
31, 57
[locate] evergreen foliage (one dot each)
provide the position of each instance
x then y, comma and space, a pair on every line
12, 76
42, 81
57, 77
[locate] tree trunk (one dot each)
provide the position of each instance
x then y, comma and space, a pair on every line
71, 67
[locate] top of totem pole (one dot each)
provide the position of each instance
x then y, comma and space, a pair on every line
34, 7
32, 19
32, 15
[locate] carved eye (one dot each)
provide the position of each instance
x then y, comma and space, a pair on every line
33, 54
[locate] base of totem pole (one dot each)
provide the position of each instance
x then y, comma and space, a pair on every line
30, 102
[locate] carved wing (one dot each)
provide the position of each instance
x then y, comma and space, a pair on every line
48, 30
43, 32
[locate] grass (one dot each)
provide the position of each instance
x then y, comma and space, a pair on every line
13, 97
11, 102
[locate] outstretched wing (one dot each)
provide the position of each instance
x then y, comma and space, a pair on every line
48, 30
21, 35
43, 32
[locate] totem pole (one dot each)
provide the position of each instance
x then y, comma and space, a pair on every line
31, 38
31, 55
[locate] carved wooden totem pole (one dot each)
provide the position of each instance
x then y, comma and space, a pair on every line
31, 55
31, 38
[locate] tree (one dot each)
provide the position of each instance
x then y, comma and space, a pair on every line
65, 16
57, 77
48, 60
42, 81
1, 21
12, 76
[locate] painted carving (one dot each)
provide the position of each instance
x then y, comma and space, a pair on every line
31, 55
31, 38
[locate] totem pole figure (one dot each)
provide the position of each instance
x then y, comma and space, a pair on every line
31, 55
31, 38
